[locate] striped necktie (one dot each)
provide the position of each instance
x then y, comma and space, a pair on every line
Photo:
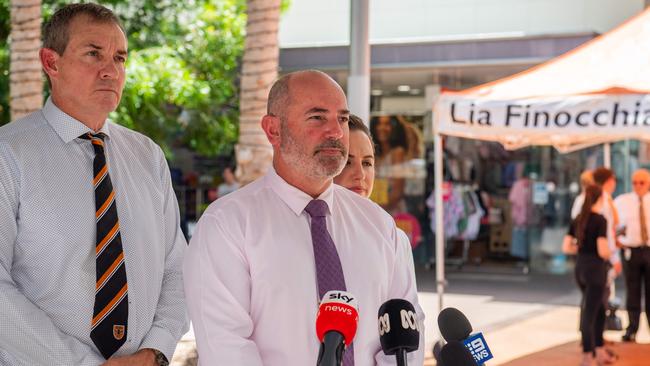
329, 272
111, 309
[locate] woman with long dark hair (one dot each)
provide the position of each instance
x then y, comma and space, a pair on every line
390, 136
587, 238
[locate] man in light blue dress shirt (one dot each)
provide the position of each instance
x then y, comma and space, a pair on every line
48, 214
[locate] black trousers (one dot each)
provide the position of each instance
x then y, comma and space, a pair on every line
591, 276
637, 276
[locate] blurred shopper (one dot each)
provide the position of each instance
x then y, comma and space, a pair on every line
586, 180
90, 244
392, 145
229, 183
634, 215
587, 238
606, 180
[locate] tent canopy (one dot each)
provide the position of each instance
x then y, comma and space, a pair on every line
596, 93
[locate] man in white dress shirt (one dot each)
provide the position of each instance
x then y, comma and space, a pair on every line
251, 272
90, 244
634, 215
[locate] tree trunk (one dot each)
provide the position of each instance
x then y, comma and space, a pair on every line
26, 80
259, 70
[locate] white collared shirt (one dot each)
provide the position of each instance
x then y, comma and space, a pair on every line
250, 275
47, 241
627, 206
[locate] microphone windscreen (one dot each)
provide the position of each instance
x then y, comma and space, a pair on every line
337, 312
399, 327
455, 353
453, 325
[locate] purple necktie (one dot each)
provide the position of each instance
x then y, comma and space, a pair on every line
328, 265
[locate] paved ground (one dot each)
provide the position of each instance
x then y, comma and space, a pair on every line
519, 314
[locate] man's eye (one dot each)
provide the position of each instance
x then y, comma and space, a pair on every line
344, 119
121, 59
93, 53
367, 163
317, 117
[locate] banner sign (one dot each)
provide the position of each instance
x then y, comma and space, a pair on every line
564, 122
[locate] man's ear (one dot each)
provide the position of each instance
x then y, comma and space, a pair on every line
271, 127
49, 61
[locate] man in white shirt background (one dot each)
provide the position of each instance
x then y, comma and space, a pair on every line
90, 244
253, 272
634, 216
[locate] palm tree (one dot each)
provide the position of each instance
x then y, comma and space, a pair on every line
259, 70
26, 81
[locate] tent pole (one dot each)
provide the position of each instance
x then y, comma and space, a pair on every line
607, 155
439, 235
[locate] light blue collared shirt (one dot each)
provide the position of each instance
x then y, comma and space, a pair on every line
47, 241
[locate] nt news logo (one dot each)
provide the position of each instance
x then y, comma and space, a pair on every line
478, 348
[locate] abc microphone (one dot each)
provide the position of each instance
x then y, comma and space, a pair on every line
456, 328
399, 329
336, 325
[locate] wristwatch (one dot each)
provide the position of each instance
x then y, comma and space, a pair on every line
161, 360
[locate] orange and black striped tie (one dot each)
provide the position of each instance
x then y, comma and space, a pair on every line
111, 310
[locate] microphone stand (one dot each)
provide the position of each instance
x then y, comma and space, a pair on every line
331, 350
401, 357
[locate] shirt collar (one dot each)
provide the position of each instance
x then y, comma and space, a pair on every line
296, 199
67, 127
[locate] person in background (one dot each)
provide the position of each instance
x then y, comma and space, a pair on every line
634, 216
90, 244
229, 183
358, 176
606, 180
587, 237
391, 140
586, 180
262, 258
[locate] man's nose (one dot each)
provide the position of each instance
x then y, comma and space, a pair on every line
111, 70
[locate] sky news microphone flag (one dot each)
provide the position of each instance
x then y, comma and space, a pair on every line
336, 326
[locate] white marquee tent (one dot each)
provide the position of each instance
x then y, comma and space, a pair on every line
596, 93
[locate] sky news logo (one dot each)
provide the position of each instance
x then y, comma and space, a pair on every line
478, 348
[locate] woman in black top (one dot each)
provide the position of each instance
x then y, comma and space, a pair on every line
587, 238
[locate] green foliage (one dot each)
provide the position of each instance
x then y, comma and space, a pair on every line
182, 85
4, 86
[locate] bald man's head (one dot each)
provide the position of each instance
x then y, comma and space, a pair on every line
641, 181
280, 93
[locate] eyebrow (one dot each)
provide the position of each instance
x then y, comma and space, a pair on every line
119, 52
365, 157
325, 110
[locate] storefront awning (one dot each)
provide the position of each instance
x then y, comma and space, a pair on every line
596, 93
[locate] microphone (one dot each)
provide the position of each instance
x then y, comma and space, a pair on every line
455, 327
399, 329
453, 324
455, 353
336, 325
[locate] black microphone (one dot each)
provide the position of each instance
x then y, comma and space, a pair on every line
399, 329
456, 329
455, 353
454, 325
